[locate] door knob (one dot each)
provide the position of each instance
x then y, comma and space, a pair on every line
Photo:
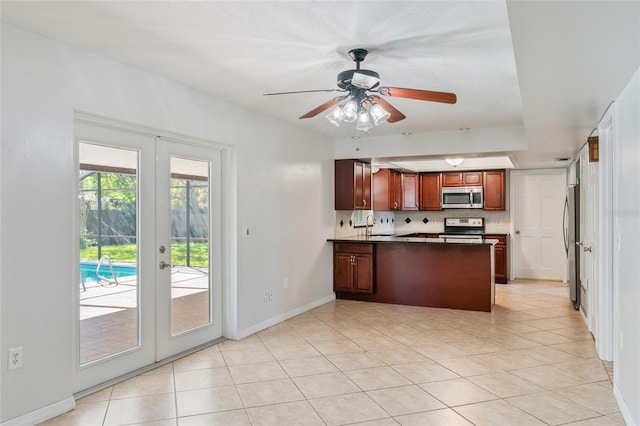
518, 232
586, 248
164, 265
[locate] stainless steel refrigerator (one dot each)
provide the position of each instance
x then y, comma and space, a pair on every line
571, 231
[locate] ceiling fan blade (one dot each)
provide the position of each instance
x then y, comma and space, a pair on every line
304, 91
421, 95
324, 106
395, 114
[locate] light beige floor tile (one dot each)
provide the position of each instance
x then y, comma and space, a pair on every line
398, 356
593, 396
307, 366
168, 422
445, 417
441, 351
289, 413
505, 384
379, 422
546, 337
153, 384
199, 361
207, 400
377, 378
341, 346
294, 352
548, 355
552, 408
355, 361
383, 343
200, 379
405, 400
424, 372
350, 408
599, 421
224, 418
584, 349
509, 360
247, 356
257, 372
102, 395
270, 392
496, 412
469, 366
549, 377
591, 370
321, 385
251, 342
85, 414
458, 392
141, 409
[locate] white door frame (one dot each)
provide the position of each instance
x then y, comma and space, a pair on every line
512, 207
606, 285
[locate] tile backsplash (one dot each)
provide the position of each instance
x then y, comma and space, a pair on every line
408, 222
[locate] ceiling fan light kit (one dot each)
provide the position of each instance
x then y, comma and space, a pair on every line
361, 104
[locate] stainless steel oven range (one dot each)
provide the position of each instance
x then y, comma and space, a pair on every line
463, 227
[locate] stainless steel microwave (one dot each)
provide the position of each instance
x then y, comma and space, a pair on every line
462, 197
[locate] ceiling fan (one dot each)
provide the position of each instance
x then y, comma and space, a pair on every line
361, 102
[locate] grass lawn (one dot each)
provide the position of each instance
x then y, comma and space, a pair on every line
127, 253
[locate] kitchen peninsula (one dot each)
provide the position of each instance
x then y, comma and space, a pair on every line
436, 272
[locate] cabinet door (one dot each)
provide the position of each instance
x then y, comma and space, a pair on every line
396, 190
363, 280
494, 190
366, 186
343, 272
410, 191
387, 188
430, 189
451, 179
472, 179
501, 258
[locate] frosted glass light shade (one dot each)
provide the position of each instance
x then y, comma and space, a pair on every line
455, 162
350, 111
379, 114
335, 116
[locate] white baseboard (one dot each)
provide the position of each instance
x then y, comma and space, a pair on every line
277, 320
44, 413
626, 413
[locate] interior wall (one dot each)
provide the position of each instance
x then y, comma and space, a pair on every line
626, 236
284, 178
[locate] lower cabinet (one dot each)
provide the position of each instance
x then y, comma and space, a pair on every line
353, 267
500, 250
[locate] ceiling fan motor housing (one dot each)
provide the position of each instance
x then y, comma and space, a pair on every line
345, 78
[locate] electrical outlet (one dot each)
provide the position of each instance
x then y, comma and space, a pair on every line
286, 283
15, 358
266, 297
270, 295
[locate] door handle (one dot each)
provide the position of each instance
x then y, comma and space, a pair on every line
586, 248
164, 265
579, 243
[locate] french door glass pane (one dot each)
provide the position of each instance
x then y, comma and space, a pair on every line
109, 292
190, 229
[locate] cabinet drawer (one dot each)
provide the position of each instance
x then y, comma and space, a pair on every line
353, 248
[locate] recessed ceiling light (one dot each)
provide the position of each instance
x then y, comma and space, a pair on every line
562, 159
464, 129
407, 133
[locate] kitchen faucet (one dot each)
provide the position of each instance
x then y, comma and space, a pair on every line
373, 222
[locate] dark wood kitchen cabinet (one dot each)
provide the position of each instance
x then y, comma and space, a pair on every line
353, 268
430, 187
352, 185
501, 258
494, 190
387, 190
410, 191
462, 179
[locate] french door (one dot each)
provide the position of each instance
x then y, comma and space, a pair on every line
149, 226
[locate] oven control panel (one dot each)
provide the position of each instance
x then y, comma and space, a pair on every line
467, 222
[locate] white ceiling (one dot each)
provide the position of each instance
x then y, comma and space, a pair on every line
550, 67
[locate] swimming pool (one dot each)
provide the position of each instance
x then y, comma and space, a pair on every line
88, 270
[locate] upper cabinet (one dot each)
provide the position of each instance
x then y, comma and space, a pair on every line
430, 187
410, 191
494, 190
352, 185
462, 179
387, 190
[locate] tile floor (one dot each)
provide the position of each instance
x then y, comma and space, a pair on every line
529, 362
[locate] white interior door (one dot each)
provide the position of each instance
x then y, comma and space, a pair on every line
189, 248
538, 200
143, 200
